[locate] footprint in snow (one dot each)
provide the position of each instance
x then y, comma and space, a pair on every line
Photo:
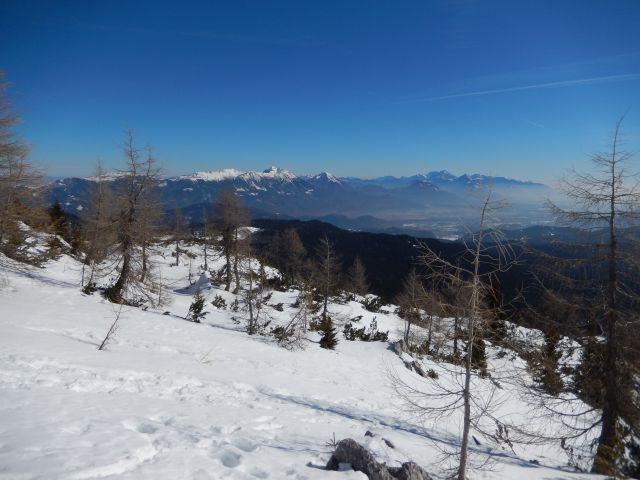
140, 427
202, 475
259, 473
147, 428
229, 458
244, 444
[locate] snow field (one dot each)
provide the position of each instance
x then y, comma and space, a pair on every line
177, 400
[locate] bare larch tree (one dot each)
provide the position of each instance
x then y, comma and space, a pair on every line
16, 177
231, 217
607, 200
137, 182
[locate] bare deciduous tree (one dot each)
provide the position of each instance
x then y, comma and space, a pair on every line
357, 278
17, 176
97, 228
254, 294
327, 271
291, 336
411, 301
606, 201
231, 216
137, 182
180, 232
483, 258
287, 253
207, 234
112, 329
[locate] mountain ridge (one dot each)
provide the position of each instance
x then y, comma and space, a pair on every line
437, 201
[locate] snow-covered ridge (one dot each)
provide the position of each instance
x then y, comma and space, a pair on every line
441, 177
106, 177
272, 173
325, 177
213, 175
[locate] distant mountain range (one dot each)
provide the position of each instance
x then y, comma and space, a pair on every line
433, 202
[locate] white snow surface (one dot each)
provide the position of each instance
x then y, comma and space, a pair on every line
172, 399
214, 175
231, 173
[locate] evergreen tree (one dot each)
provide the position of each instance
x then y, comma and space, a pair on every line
549, 376
59, 223
196, 308
329, 338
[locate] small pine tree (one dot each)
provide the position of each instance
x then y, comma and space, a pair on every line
59, 222
549, 376
329, 338
196, 308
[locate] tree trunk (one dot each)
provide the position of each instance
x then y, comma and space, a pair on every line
143, 273
473, 318
228, 269
605, 459
236, 272
115, 292
455, 335
407, 328
464, 446
251, 329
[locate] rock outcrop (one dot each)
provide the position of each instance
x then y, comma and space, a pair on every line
361, 460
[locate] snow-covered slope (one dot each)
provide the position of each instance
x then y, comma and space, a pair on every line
178, 400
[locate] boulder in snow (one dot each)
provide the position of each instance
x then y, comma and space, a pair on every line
361, 460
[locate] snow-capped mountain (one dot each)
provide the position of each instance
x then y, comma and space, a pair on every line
276, 192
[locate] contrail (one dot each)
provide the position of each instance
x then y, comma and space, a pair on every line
537, 86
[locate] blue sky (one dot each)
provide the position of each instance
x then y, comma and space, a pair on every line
366, 88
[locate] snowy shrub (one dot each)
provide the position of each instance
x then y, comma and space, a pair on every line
217, 276
372, 304
290, 337
219, 302
366, 335
235, 305
89, 288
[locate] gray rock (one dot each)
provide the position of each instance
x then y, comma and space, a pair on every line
418, 369
410, 471
400, 347
361, 460
369, 433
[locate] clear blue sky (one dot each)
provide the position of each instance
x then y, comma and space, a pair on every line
523, 89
